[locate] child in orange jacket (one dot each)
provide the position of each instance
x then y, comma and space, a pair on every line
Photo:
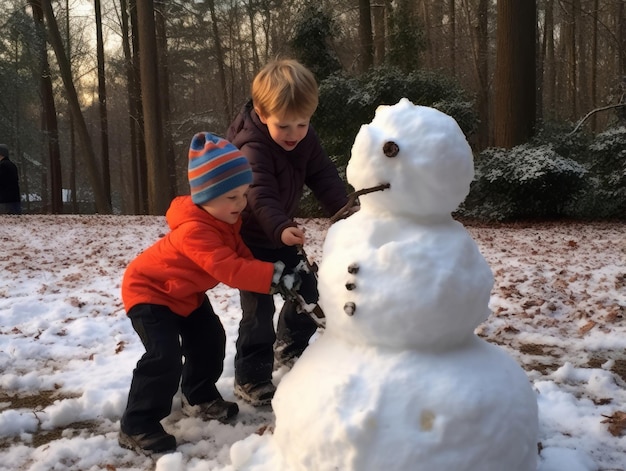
164, 294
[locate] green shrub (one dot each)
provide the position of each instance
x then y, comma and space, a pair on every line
346, 103
603, 195
527, 181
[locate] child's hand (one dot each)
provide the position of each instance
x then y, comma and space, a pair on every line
292, 236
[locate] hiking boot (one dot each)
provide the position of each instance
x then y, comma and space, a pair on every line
284, 361
260, 394
285, 355
158, 441
218, 409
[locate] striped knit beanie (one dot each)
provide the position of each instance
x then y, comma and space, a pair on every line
215, 167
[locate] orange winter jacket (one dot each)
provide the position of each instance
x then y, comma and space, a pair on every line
199, 252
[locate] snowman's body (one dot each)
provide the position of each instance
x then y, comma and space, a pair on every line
399, 381
428, 280
429, 413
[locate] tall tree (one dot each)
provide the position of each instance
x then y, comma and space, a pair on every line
620, 89
158, 198
54, 36
170, 155
482, 67
68, 45
141, 182
219, 59
135, 184
548, 77
572, 48
380, 27
406, 37
49, 118
514, 113
251, 9
428, 30
102, 102
594, 62
452, 36
366, 39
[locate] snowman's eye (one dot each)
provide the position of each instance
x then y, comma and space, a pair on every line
390, 149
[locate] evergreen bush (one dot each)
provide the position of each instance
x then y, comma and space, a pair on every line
346, 103
527, 181
603, 195
558, 174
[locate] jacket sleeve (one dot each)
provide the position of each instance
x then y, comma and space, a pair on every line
235, 267
324, 181
264, 198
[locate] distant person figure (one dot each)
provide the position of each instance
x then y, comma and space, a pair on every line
9, 184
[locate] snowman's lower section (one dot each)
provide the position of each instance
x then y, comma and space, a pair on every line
358, 408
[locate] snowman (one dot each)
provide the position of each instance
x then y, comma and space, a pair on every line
399, 381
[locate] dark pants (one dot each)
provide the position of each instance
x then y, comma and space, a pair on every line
254, 360
168, 337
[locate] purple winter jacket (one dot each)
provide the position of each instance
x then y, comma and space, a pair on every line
279, 179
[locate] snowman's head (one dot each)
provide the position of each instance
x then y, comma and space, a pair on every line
420, 152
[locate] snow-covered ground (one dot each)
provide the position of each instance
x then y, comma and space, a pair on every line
67, 349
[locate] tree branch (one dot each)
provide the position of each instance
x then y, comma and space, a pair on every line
352, 197
604, 108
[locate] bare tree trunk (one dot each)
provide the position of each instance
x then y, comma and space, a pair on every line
241, 82
219, 53
549, 77
452, 37
428, 33
480, 55
24, 187
73, 196
388, 24
570, 44
594, 64
142, 161
164, 82
482, 67
582, 91
541, 63
158, 195
132, 111
621, 19
514, 117
102, 102
49, 119
102, 205
378, 14
366, 40
250, 8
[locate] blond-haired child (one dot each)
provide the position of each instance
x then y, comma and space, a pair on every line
273, 131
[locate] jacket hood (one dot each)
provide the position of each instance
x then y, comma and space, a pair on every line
247, 129
183, 210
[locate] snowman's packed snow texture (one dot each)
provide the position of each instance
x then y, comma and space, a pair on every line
398, 380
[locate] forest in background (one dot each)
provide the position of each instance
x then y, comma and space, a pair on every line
100, 98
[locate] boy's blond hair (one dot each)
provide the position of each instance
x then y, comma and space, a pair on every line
284, 87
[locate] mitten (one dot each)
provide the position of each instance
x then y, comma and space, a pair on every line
279, 268
307, 289
285, 281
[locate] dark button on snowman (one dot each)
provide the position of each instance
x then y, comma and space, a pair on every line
398, 380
